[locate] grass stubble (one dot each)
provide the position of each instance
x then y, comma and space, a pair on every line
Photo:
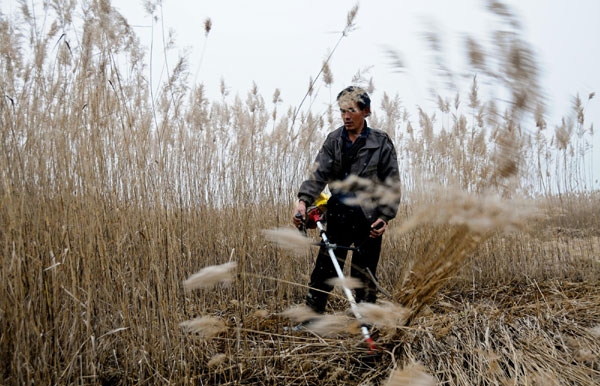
109, 200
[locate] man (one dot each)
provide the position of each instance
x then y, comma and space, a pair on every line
354, 149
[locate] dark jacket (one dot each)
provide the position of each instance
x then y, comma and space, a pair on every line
375, 161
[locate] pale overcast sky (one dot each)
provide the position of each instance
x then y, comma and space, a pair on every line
280, 44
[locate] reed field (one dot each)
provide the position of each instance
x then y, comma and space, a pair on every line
132, 225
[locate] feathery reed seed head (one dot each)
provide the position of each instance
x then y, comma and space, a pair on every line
289, 239
481, 213
367, 193
217, 360
348, 282
412, 375
299, 314
327, 75
261, 314
207, 26
209, 276
385, 315
206, 326
331, 325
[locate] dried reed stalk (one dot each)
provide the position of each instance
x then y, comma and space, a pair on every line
435, 269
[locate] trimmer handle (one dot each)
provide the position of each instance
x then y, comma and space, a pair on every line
302, 226
378, 226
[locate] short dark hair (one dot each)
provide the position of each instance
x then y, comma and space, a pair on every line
356, 94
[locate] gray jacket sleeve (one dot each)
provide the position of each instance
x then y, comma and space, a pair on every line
321, 176
389, 175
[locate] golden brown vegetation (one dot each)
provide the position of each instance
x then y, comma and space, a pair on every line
108, 202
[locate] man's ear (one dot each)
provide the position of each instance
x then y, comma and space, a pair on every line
367, 111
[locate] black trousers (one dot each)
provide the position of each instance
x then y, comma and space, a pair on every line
345, 226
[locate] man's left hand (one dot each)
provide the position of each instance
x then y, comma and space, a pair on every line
377, 228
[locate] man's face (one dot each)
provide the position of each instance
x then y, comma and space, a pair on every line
353, 116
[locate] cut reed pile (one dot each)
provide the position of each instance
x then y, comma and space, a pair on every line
526, 333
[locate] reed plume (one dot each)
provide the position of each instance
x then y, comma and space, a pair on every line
210, 276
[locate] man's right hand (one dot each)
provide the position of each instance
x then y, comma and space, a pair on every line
300, 210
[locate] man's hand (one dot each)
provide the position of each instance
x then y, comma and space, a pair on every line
377, 228
300, 210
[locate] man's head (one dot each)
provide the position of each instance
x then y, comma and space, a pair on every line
355, 94
355, 106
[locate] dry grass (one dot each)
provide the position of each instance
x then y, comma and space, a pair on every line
109, 202
102, 310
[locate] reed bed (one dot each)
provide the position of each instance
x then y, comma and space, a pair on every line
81, 308
112, 196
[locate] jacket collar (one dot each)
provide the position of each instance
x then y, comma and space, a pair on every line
372, 140
363, 133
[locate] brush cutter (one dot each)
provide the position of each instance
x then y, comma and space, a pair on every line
314, 215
